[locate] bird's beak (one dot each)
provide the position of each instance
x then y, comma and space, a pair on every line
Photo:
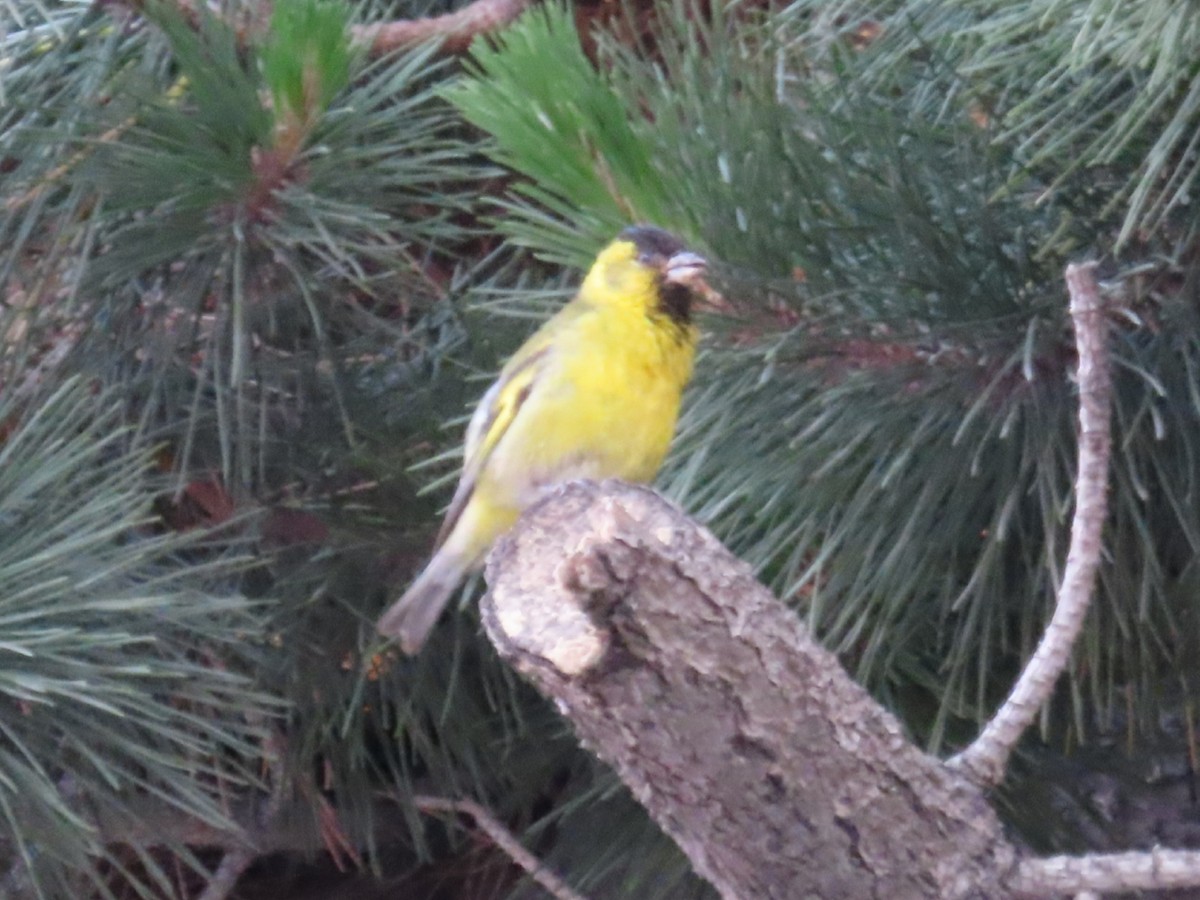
685, 268
689, 269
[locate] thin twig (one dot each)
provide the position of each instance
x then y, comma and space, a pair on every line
456, 29
65, 339
111, 136
502, 838
1108, 873
55, 175
225, 879
986, 759
239, 859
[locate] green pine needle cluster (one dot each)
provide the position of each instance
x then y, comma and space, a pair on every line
306, 59
589, 169
126, 656
221, 254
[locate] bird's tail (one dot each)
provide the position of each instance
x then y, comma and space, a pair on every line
410, 619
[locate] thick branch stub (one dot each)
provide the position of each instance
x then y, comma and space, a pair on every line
775, 773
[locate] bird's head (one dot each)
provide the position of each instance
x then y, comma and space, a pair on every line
648, 267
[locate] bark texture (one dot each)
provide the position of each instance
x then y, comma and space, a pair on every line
776, 774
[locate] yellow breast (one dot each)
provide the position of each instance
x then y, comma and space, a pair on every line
605, 405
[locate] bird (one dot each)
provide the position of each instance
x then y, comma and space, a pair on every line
593, 393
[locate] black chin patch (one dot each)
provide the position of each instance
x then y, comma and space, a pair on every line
675, 301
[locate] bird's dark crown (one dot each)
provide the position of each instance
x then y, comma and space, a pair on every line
652, 242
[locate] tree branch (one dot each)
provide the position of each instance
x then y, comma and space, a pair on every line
456, 29
503, 839
775, 773
986, 759
238, 859
1108, 873
233, 864
749, 745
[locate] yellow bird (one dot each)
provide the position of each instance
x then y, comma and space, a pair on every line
593, 393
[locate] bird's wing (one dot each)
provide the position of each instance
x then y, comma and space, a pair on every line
491, 420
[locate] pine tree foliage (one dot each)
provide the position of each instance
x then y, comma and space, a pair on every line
127, 656
271, 292
295, 223
886, 430
266, 287
259, 250
1130, 71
